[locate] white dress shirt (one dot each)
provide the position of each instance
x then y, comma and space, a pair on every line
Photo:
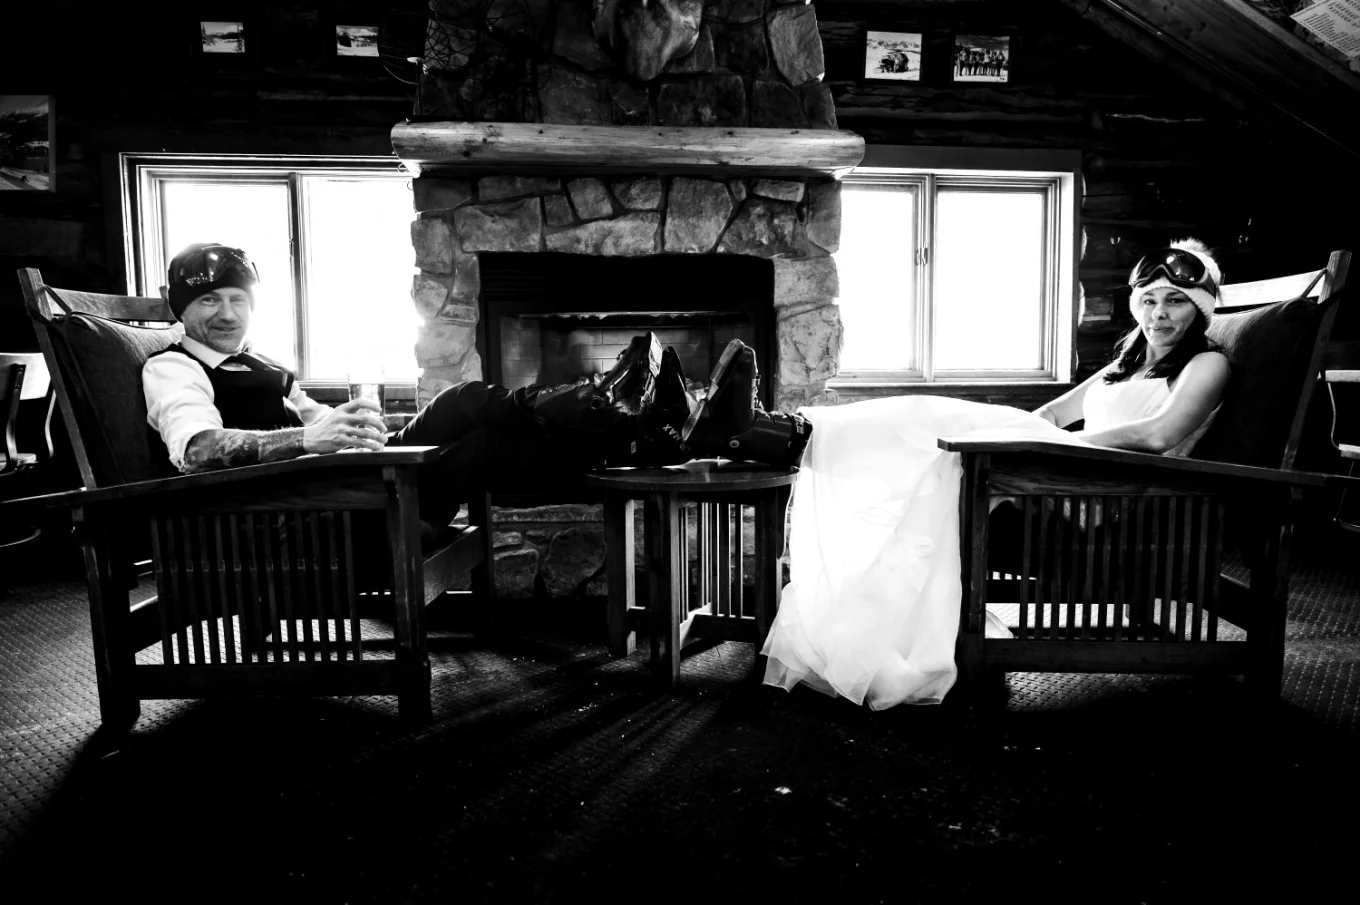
180, 398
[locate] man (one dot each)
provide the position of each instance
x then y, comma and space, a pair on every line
215, 403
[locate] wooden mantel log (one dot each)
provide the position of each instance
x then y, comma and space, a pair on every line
458, 147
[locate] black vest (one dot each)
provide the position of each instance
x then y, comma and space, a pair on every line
246, 400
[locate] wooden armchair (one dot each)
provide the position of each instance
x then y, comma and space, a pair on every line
266, 576
1113, 563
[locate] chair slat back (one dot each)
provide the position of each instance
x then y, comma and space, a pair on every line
128, 308
94, 353
1262, 292
1330, 286
1276, 333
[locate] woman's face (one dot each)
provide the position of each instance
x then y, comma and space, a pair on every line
1163, 314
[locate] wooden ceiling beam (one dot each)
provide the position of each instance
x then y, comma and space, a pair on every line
1290, 42
1136, 35
1236, 34
1248, 54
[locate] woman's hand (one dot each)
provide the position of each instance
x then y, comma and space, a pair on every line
356, 424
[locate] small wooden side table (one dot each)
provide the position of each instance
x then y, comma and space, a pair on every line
718, 607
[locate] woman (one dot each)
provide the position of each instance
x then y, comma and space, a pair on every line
872, 610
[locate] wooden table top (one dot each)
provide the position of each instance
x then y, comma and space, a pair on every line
698, 476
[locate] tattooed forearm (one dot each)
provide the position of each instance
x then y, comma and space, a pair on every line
213, 449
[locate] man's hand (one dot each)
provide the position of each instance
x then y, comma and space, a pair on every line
357, 423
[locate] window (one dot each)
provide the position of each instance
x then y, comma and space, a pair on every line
331, 239
957, 266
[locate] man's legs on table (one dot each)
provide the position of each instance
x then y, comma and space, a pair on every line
462, 409
606, 405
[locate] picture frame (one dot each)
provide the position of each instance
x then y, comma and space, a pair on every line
892, 55
355, 42
982, 58
28, 143
223, 38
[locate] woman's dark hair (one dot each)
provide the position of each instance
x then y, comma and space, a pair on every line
1129, 352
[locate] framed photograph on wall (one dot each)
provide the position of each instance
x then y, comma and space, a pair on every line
356, 41
982, 58
27, 143
220, 36
892, 55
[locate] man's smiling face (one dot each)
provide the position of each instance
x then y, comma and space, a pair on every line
220, 318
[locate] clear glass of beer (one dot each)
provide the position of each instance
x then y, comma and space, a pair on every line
367, 381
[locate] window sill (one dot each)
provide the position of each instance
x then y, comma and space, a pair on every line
1021, 394
333, 392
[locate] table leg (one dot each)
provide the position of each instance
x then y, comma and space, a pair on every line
769, 530
665, 583
619, 553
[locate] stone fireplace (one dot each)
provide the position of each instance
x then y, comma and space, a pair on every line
793, 224
721, 174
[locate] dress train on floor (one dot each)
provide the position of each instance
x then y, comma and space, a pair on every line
872, 608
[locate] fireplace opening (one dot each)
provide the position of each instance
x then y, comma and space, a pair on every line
551, 318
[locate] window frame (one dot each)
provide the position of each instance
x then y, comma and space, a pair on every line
142, 177
1055, 174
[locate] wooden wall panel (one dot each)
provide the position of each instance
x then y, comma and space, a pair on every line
131, 78
1164, 156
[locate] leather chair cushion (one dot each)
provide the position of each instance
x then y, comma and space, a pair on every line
103, 360
1269, 348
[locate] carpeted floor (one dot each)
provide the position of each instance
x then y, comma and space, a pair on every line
551, 772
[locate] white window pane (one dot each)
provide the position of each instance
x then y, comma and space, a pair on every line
253, 218
876, 264
989, 293
359, 272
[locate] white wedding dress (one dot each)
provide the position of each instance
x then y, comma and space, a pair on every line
872, 608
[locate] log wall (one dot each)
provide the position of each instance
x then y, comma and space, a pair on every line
130, 77
1162, 157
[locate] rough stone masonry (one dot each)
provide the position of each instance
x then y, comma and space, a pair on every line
755, 63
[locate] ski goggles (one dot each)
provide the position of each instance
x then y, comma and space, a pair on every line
1181, 268
211, 264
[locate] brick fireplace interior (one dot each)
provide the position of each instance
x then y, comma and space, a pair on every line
551, 318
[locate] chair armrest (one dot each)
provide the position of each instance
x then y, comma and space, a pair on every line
301, 467
1343, 482
1171, 465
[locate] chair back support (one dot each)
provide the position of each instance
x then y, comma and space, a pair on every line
95, 353
1275, 333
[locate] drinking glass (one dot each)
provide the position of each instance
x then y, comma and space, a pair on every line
368, 382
